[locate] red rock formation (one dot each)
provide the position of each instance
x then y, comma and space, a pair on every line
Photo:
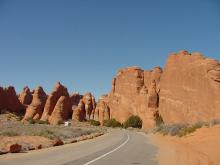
75, 98
90, 104
190, 88
14, 148
102, 112
9, 100
2, 98
25, 97
74, 101
58, 91
35, 109
79, 113
57, 142
134, 92
61, 111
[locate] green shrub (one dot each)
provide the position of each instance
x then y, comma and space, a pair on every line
133, 121
41, 122
31, 121
178, 129
94, 122
112, 123
190, 129
46, 133
19, 118
7, 133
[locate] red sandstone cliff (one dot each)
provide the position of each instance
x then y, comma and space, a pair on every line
190, 88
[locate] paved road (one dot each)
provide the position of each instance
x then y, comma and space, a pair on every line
119, 147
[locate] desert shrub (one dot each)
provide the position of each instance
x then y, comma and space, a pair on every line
167, 129
214, 122
46, 133
11, 133
31, 121
178, 129
19, 118
189, 129
133, 121
94, 122
112, 123
41, 122
158, 120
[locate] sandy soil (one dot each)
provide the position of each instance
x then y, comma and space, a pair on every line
199, 148
30, 136
27, 142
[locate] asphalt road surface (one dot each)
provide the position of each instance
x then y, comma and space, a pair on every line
119, 147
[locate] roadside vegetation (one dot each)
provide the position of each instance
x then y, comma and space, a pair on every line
133, 121
94, 122
112, 123
182, 129
32, 121
11, 126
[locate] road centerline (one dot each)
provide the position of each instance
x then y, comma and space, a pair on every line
104, 155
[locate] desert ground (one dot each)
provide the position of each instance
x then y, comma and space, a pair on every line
33, 136
201, 147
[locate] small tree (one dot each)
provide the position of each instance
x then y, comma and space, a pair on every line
133, 121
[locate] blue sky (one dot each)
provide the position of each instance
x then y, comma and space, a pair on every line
83, 43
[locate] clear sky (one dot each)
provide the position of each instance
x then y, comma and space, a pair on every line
83, 43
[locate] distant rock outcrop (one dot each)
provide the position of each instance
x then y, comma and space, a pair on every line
85, 109
9, 100
58, 91
25, 96
79, 113
134, 92
90, 104
190, 88
35, 109
187, 91
61, 111
102, 112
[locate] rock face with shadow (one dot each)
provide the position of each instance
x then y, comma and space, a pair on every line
79, 112
61, 111
134, 92
85, 109
35, 109
186, 91
190, 88
25, 96
102, 111
9, 100
58, 91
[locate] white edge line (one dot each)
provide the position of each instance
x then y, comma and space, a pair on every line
104, 155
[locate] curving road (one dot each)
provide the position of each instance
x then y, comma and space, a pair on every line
119, 147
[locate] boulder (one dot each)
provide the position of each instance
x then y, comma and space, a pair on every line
190, 88
25, 96
57, 142
61, 111
58, 91
35, 109
14, 148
